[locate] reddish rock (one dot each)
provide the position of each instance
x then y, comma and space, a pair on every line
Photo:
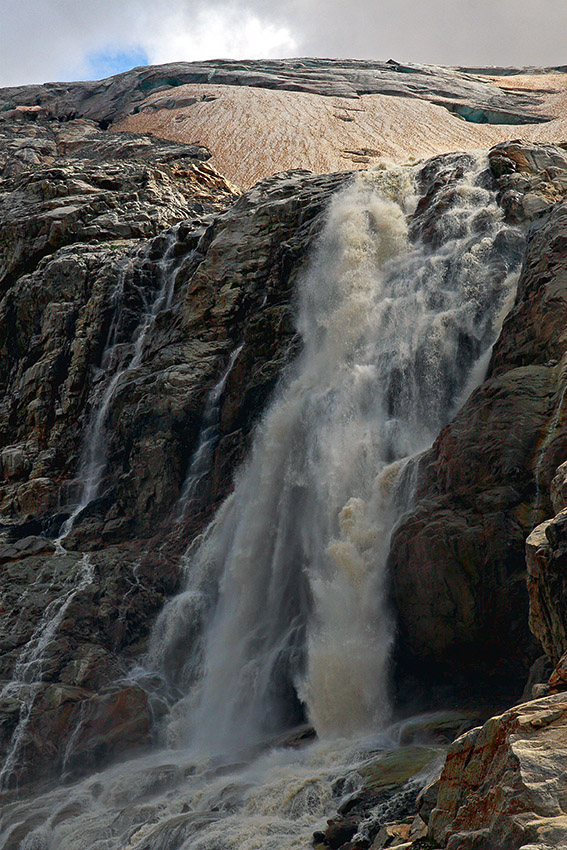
558, 679
503, 785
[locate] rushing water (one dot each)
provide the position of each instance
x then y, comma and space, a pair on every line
392, 331
284, 617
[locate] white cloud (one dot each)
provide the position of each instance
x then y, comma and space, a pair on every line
51, 39
223, 32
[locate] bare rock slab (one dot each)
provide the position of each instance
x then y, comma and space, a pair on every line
503, 785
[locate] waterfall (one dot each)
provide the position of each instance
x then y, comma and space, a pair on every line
119, 359
284, 613
285, 606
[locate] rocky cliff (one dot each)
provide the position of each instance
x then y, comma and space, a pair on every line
485, 482
143, 298
82, 264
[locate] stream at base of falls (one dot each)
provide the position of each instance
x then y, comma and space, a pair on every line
272, 799
284, 617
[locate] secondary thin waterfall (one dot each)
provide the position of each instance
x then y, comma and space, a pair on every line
120, 358
200, 465
29, 670
285, 606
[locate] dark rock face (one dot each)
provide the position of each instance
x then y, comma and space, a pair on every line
67, 228
107, 101
484, 484
546, 550
83, 236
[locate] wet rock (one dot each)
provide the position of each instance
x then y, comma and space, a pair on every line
503, 784
24, 547
392, 835
387, 790
558, 489
109, 724
467, 531
85, 624
56, 320
339, 830
427, 800
15, 462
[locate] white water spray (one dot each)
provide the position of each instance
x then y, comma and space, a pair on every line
392, 332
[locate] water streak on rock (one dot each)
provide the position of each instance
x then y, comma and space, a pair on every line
118, 361
202, 457
29, 670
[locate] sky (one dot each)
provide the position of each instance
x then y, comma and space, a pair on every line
50, 40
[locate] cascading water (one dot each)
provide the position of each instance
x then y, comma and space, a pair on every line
391, 332
284, 612
119, 359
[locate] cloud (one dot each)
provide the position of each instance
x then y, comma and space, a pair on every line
57, 39
215, 30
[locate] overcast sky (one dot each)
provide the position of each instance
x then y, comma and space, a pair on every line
44, 40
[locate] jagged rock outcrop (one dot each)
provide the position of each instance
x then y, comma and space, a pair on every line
483, 485
503, 785
546, 550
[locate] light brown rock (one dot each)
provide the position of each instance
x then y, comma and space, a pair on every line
503, 785
558, 679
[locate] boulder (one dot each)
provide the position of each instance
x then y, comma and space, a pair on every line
503, 784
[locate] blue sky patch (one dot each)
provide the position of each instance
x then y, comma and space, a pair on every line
105, 63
